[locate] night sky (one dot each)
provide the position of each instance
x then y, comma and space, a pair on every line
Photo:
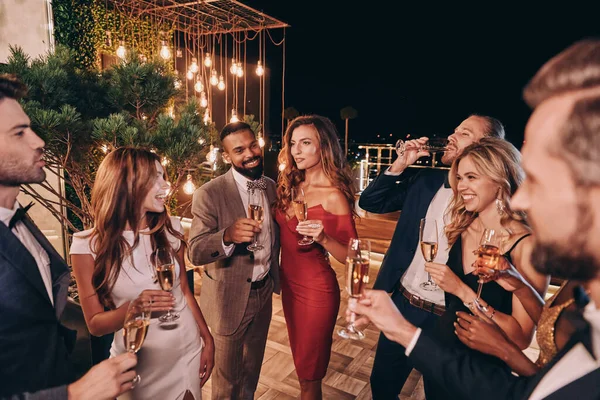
416, 69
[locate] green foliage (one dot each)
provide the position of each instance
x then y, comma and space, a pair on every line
74, 28
255, 125
348, 113
81, 112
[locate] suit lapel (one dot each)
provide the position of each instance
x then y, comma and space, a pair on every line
59, 270
17, 254
233, 197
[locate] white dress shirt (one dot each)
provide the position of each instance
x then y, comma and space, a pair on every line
31, 244
415, 274
576, 363
262, 258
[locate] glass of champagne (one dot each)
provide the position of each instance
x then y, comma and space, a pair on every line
164, 263
488, 253
428, 237
358, 260
301, 210
256, 212
433, 145
135, 327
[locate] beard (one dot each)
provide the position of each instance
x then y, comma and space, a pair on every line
571, 258
251, 173
13, 173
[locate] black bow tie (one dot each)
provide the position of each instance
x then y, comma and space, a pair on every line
260, 183
19, 215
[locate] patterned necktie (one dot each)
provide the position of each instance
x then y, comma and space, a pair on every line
260, 183
19, 215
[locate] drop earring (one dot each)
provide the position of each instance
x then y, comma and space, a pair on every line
500, 207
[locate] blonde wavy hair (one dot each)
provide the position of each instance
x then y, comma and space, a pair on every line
498, 160
124, 179
334, 162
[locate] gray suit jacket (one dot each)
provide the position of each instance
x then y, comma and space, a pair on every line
226, 280
33, 346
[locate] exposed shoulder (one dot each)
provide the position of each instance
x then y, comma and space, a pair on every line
336, 203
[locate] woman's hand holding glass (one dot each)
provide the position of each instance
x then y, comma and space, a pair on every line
312, 228
135, 327
158, 300
505, 274
443, 276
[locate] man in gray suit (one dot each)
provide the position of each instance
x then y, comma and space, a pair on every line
237, 283
34, 281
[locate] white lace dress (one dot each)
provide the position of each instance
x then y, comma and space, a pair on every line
169, 360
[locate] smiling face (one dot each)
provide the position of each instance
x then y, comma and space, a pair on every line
21, 150
478, 191
469, 131
155, 199
305, 147
243, 151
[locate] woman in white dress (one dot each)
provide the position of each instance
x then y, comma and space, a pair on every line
113, 265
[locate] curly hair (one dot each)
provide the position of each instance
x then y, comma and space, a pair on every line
334, 162
498, 160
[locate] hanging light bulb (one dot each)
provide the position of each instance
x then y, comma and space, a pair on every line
213, 78
164, 162
261, 141
234, 117
201, 140
194, 65
189, 186
212, 154
206, 121
207, 60
121, 51
190, 75
165, 52
221, 84
259, 69
198, 86
104, 148
240, 70
233, 68
203, 101
282, 166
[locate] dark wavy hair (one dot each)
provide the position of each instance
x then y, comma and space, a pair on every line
334, 162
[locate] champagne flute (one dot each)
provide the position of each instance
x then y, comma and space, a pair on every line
164, 263
428, 237
301, 210
488, 253
358, 260
135, 328
433, 145
256, 212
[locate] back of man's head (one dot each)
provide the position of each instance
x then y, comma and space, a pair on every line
11, 87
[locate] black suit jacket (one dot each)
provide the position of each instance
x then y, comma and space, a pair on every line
469, 376
411, 192
33, 351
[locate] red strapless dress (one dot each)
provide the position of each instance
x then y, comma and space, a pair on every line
309, 290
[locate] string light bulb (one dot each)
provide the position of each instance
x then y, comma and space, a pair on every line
201, 141
121, 50
282, 166
104, 148
261, 141
198, 86
221, 84
233, 68
194, 65
164, 162
206, 120
259, 69
240, 70
189, 187
203, 101
234, 117
213, 78
190, 75
165, 52
207, 60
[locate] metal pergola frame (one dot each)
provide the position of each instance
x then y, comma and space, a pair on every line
200, 17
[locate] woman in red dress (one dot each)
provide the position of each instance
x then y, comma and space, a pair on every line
314, 162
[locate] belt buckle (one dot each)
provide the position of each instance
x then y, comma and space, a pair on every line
416, 301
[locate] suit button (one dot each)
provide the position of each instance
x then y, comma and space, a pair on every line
249, 280
215, 254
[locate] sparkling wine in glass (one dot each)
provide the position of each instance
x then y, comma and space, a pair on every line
433, 145
301, 210
488, 253
428, 237
135, 327
164, 262
256, 212
358, 260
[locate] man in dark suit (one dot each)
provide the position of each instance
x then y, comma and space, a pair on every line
561, 193
237, 284
419, 194
34, 281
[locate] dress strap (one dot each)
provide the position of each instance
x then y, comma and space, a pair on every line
516, 243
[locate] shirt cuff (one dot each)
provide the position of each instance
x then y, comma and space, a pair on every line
413, 342
228, 249
387, 172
